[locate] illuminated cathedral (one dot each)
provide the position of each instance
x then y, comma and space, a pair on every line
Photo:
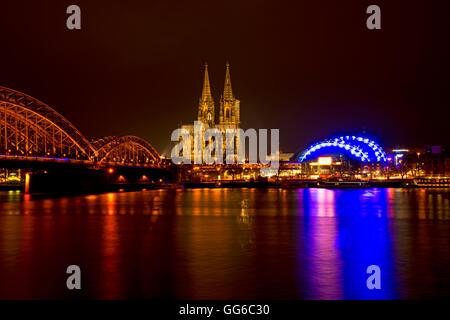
229, 112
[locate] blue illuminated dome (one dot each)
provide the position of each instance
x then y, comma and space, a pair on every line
357, 147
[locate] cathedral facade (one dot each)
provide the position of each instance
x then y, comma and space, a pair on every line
228, 116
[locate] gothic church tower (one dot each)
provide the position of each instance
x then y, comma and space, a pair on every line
229, 105
206, 103
229, 114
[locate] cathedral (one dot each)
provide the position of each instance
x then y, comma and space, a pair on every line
229, 113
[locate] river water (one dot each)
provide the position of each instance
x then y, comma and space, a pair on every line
227, 244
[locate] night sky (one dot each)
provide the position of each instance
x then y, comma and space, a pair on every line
309, 68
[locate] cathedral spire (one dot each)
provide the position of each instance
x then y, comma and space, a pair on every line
206, 93
227, 90
206, 103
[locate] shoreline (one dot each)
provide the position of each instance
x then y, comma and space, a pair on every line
301, 184
238, 184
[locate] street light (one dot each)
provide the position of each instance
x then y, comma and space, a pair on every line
418, 162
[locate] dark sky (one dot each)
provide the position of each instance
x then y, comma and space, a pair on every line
309, 68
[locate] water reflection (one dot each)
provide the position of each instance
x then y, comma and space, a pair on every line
227, 243
319, 271
364, 239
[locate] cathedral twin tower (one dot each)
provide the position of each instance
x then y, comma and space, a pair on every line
229, 117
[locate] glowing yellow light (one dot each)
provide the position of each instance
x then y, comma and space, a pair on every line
325, 161
27, 183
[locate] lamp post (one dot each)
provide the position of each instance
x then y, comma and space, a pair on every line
418, 163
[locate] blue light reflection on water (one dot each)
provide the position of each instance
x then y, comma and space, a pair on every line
228, 243
345, 231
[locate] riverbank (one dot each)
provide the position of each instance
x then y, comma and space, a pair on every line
293, 184
332, 184
282, 184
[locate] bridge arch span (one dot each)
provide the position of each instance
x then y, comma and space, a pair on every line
126, 150
30, 128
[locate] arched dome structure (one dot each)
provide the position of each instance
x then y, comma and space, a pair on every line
360, 148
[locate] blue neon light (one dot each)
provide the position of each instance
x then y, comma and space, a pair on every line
357, 147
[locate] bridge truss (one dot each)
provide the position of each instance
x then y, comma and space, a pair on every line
129, 150
31, 129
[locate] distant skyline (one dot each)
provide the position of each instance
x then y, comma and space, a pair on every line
309, 69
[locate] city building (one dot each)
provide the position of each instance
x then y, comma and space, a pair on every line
436, 161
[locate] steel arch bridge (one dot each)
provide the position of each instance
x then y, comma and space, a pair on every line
30, 129
125, 150
360, 148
